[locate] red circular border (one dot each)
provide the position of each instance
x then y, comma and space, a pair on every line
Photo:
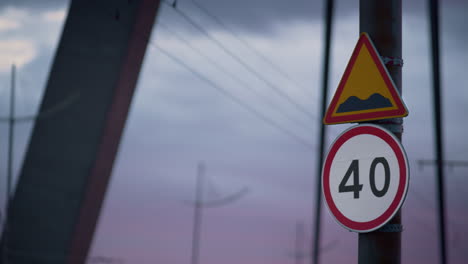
402, 187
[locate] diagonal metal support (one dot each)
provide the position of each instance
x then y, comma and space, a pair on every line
70, 156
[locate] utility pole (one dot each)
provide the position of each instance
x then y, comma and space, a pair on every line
302, 253
200, 203
81, 142
197, 216
11, 129
9, 179
440, 164
434, 22
12, 119
382, 21
326, 61
299, 243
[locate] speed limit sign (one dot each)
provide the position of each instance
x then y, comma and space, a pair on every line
365, 178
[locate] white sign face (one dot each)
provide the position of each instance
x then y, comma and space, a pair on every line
365, 178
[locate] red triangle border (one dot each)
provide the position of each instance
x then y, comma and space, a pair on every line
401, 110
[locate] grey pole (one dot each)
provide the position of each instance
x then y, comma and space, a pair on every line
11, 129
299, 254
197, 216
326, 61
200, 204
56, 202
382, 21
434, 22
9, 179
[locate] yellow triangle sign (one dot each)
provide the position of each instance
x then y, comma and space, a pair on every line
366, 90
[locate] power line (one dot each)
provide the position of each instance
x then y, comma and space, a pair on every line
247, 44
275, 88
48, 112
233, 97
225, 92
198, 209
234, 77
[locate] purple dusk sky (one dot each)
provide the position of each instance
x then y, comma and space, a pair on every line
177, 120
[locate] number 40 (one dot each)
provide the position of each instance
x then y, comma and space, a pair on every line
356, 187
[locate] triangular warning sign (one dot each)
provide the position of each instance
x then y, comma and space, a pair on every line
366, 90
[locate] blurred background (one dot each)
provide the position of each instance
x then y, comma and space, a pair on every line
238, 102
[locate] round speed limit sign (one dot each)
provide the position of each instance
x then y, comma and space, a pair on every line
365, 178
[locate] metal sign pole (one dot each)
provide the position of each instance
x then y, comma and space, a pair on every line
382, 21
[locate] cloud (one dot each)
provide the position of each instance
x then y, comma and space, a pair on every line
182, 103
34, 4
19, 52
6, 24
177, 119
14, 49
25, 33
253, 17
55, 16
14, 14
